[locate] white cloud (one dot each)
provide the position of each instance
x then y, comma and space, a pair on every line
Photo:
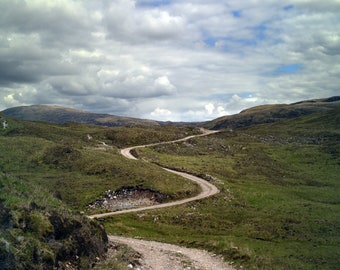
10, 100
197, 59
132, 24
161, 114
164, 83
209, 108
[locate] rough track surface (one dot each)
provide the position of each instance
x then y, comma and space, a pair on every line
162, 256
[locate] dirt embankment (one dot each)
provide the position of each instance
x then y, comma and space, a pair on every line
127, 198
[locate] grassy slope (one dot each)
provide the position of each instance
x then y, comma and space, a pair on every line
61, 115
40, 161
37, 231
273, 113
279, 207
64, 160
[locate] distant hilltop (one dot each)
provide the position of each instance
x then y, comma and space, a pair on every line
273, 113
253, 116
62, 115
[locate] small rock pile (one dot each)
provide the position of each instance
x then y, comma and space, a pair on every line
128, 197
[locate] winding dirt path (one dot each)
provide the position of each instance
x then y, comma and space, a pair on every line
207, 188
126, 152
163, 256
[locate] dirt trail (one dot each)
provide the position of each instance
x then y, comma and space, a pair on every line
207, 188
162, 256
126, 152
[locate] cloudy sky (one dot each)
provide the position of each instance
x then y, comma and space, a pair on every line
179, 60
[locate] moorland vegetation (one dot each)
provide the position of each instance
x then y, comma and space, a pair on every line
278, 207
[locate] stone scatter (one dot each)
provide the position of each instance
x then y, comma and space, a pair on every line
129, 197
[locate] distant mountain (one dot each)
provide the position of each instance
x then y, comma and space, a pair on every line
61, 115
252, 116
273, 113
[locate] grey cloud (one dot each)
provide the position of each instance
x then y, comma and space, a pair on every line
132, 58
14, 72
103, 104
73, 86
331, 6
57, 24
31, 65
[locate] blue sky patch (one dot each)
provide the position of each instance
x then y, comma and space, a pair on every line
288, 69
237, 13
210, 41
260, 32
289, 7
221, 97
156, 3
245, 95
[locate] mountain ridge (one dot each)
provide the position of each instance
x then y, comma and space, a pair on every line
62, 115
278, 188
268, 113
271, 113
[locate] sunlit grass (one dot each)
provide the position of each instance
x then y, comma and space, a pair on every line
71, 160
278, 208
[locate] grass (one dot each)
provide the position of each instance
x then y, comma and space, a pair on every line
279, 206
64, 160
121, 258
41, 163
38, 231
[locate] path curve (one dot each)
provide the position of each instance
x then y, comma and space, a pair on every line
163, 256
208, 189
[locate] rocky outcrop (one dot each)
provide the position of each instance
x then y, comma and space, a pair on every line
44, 234
77, 241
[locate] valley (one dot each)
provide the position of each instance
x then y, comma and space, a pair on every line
277, 205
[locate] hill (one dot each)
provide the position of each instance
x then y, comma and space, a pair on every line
61, 115
278, 207
273, 113
49, 173
279, 203
270, 113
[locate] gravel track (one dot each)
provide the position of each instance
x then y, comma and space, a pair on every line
207, 188
162, 256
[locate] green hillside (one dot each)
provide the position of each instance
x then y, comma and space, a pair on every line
272, 113
279, 206
49, 173
62, 115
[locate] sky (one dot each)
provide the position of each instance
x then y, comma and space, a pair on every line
170, 60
